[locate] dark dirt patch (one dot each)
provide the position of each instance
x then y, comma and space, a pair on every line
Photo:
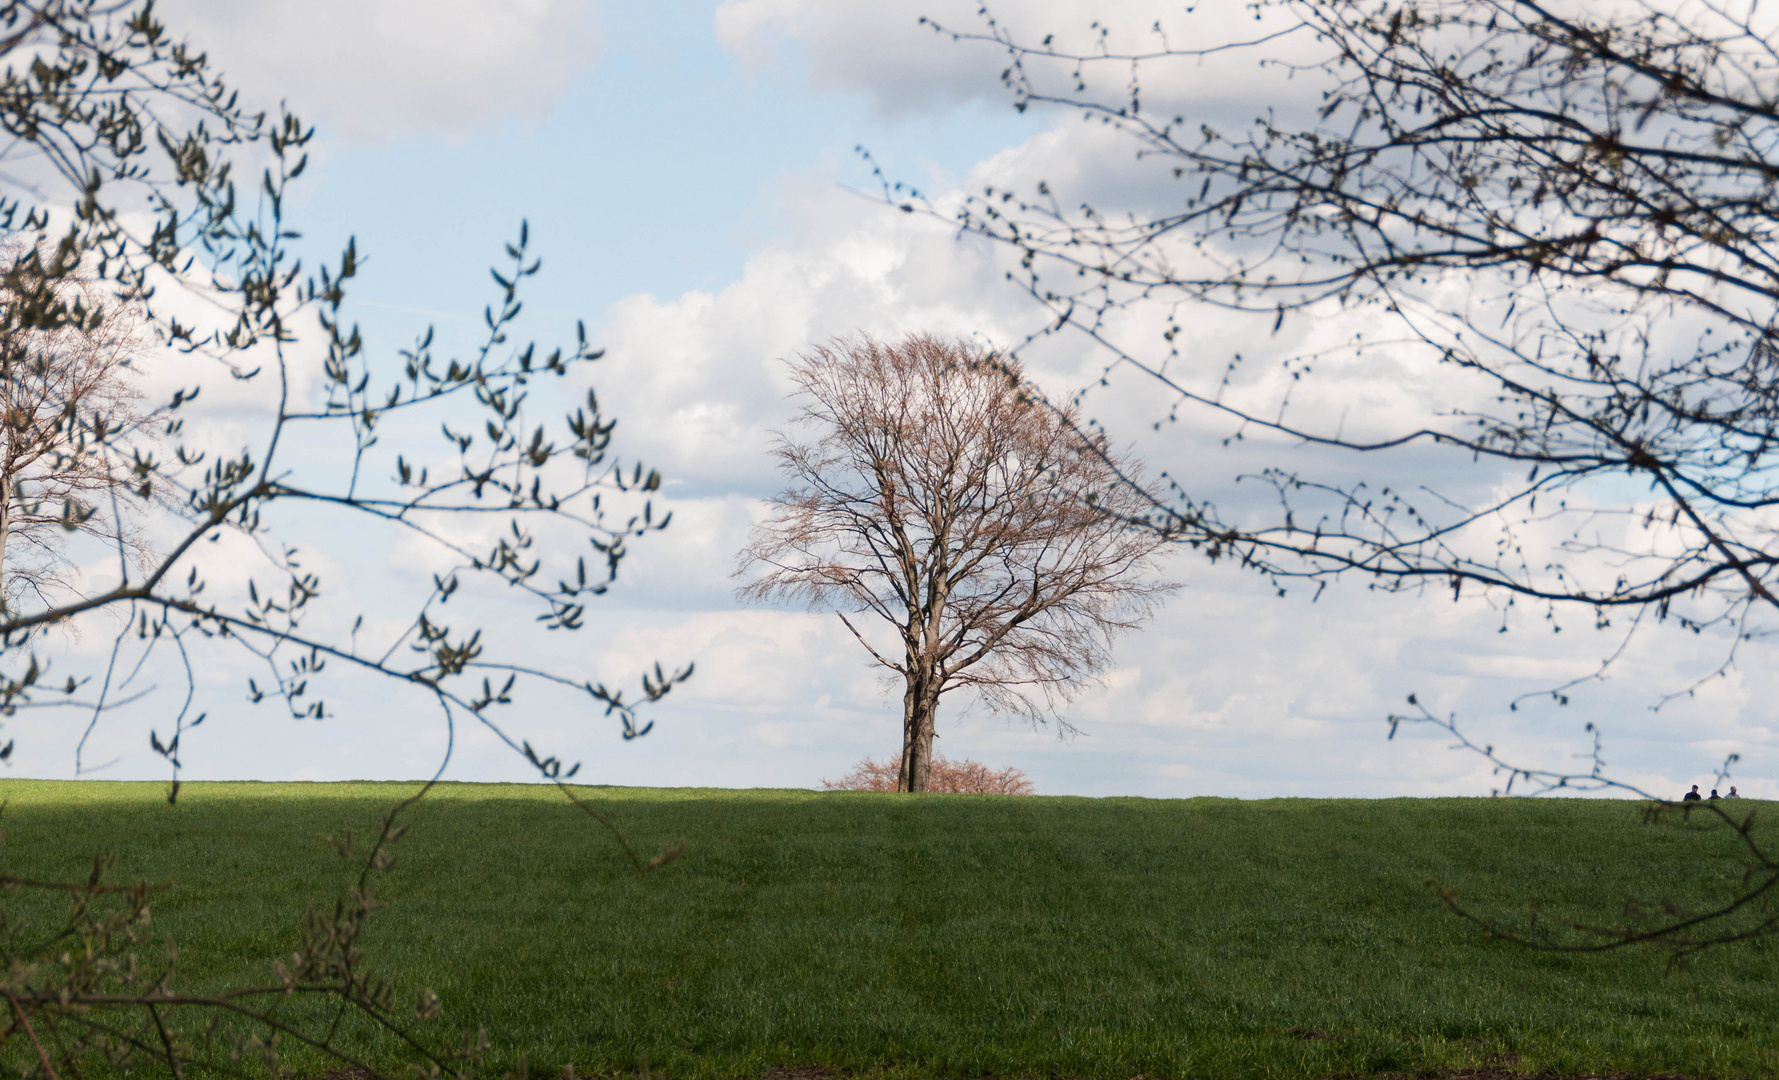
1313, 1033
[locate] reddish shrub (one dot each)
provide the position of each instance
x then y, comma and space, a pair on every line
948, 777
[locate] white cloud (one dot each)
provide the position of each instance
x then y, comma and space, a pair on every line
879, 50
381, 69
1232, 690
882, 51
698, 381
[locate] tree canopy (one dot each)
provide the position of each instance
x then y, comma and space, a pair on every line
929, 491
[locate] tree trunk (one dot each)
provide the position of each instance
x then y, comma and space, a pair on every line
10, 467
909, 727
5, 528
920, 706
920, 753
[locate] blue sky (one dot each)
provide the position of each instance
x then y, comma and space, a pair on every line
685, 170
660, 169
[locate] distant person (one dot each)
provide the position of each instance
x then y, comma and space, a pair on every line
1692, 796
1714, 793
1732, 794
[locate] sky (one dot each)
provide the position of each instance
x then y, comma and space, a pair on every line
691, 180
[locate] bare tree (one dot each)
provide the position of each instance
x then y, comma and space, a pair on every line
934, 494
72, 418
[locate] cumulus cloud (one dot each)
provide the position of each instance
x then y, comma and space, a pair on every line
699, 380
1233, 690
398, 68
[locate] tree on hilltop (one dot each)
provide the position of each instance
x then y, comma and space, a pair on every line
929, 491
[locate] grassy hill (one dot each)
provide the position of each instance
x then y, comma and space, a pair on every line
957, 936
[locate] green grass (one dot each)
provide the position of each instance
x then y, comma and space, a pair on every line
957, 936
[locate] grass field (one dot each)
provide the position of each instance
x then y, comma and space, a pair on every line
957, 936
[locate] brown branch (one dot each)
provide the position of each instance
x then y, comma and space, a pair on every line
25, 1022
